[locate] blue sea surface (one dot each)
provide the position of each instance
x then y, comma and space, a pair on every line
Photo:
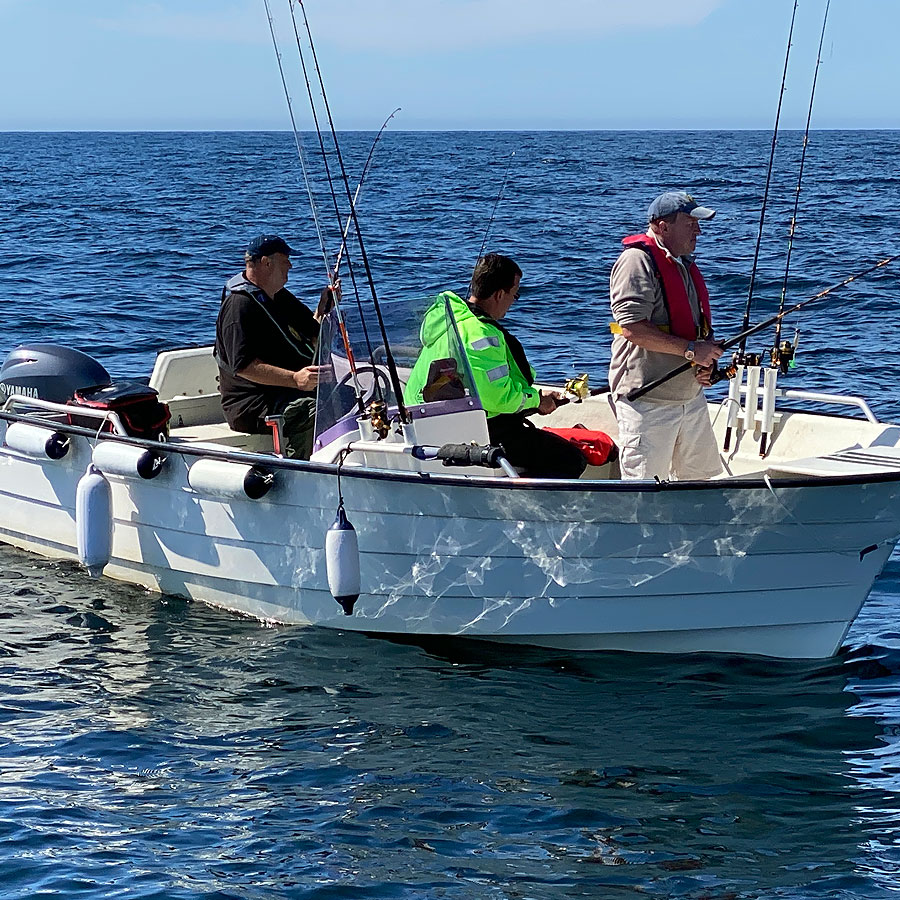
155, 748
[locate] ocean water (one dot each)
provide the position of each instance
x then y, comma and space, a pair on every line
155, 748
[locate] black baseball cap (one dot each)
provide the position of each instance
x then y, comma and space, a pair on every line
267, 244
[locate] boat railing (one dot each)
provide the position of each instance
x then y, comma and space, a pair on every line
816, 397
14, 400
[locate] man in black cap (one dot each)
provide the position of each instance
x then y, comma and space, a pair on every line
265, 347
660, 305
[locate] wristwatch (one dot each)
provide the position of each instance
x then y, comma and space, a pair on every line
689, 353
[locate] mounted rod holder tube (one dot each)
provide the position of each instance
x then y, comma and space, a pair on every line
752, 402
229, 481
770, 379
40, 443
113, 458
734, 406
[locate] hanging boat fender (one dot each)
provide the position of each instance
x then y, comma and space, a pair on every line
93, 521
228, 480
114, 458
342, 561
40, 443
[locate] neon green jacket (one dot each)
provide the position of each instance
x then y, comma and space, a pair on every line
500, 383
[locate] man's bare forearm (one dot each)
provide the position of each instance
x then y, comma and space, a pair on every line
263, 373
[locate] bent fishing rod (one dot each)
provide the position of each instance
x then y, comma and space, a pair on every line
781, 356
765, 202
389, 356
748, 332
362, 178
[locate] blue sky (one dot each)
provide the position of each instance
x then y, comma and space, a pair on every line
450, 64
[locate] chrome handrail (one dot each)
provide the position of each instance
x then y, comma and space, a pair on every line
102, 415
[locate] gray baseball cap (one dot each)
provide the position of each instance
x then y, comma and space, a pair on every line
677, 201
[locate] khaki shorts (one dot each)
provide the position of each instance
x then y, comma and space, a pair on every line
669, 441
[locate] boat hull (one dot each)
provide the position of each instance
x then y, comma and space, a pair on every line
740, 567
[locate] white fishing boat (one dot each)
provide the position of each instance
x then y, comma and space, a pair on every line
776, 557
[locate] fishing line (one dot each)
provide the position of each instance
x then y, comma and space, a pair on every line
762, 213
362, 178
337, 212
490, 223
389, 356
298, 143
793, 228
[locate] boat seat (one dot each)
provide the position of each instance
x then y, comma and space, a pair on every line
188, 381
220, 434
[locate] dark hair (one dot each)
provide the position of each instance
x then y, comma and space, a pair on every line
493, 273
669, 219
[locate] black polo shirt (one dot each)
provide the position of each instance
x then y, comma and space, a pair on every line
280, 332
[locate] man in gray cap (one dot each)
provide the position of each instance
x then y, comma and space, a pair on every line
265, 346
660, 305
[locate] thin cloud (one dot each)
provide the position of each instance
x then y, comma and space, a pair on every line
428, 25
411, 26
239, 24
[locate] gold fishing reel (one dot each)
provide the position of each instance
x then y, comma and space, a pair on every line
782, 356
378, 418
578, 388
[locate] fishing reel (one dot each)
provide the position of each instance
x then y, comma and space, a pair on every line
782, 356
378, 418
729, 370
578, 388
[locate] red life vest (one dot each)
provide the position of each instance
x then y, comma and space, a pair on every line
678, 308
597, 446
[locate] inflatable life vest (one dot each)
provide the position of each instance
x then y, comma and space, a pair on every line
597, 446
678, 308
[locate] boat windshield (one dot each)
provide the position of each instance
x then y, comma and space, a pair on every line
440, 373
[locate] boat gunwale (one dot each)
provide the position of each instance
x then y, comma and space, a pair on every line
248, 457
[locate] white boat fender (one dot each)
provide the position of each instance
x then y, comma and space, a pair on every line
114, 458
93, 521
342, 561
32, 440
229, 480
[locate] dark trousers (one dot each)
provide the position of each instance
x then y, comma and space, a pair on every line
537, 453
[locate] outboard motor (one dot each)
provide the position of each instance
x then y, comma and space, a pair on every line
49, 372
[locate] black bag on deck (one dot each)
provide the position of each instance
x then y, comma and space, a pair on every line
136, 405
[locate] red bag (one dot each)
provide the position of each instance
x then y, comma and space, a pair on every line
597, 446
137, 406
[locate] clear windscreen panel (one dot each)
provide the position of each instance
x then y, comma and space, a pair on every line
438, 370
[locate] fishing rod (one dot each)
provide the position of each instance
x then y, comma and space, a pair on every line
337, 268
312, 203
782, 355
389, 356
748, 332
297, 142
331, 273
762, 212
362, 178
490, 223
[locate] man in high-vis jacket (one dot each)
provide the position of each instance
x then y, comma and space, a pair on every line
660, 305
503, 377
